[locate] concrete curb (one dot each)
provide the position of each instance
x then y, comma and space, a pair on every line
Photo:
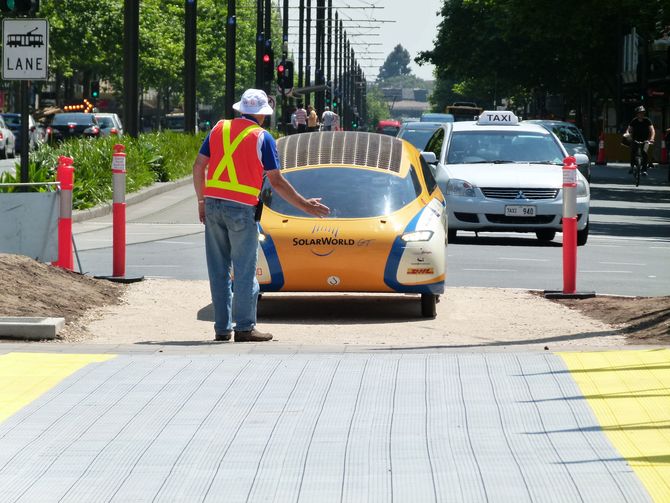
31, 328
133, 198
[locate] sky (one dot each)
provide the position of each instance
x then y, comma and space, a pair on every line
414, 27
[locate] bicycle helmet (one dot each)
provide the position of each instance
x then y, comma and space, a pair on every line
640, 109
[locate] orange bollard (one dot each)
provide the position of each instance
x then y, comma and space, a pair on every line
569, 225
119, 211
65, 175
601, 161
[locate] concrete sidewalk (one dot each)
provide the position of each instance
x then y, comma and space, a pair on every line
375, 426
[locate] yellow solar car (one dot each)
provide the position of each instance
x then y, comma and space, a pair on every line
386, 231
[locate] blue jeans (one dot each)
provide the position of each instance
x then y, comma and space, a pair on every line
231, 240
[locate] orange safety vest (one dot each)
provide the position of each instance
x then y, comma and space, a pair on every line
235, 172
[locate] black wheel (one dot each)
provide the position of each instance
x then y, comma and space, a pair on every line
545, 235
637, 170
451, 235
3, 153
428, 309
583, 235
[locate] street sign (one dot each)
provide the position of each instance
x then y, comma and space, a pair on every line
25, 49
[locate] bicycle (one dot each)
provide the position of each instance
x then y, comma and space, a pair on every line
637, 160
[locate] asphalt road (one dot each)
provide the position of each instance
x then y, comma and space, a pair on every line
8, 164
627, 253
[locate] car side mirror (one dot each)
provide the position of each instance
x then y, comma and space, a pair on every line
581, 159
429, 157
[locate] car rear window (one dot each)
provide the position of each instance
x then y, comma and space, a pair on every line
467, 147
348, 192
12, 120
105, 122
79, 119
567, 134
417, 137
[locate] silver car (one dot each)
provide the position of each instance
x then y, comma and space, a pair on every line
110, 124
7, 141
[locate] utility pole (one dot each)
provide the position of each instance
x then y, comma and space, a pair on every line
301, 22
284, 52
260, 44
330, 40
308, 67
318, 72
190, 27
131, 37
231, 25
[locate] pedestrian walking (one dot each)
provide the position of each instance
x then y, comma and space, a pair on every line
312, 119
227, 177
301, 118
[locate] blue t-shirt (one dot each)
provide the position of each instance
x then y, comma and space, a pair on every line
267, 148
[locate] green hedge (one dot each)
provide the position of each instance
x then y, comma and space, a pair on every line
152, 157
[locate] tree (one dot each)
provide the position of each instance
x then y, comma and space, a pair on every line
397, 63
377, 108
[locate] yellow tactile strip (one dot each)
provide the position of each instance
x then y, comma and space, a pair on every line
26, 376
629, 391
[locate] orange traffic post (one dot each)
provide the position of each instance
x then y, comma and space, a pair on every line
65, 175
569, 222
119, 210
569, 225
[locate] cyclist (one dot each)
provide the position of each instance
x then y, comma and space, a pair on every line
640, 129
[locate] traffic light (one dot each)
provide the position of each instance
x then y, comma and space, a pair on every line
285, 74
95, 89
281, 67
288, 75
268, 64
20, 6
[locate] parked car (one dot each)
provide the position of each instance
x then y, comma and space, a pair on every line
72, 125
110, 124
499, 174
13, 122
436, 117
389, 127
386, 228
418, 133
572, 139
7, 141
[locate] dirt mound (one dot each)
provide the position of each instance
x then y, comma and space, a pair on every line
31, 288
642, 319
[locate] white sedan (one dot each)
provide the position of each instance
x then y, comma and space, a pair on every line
498, 174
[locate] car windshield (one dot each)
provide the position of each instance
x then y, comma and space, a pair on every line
417, 137
79, 119
348, 192
567, 134
390, 130
437, 118
468, 147
12, 120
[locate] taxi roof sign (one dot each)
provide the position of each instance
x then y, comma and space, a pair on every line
497, 118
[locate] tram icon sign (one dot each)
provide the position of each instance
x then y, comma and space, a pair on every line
25, 49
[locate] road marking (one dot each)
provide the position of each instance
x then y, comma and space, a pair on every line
179, 242
525, 259
26, 376
628, 392
622, 263
609, 272
492, 270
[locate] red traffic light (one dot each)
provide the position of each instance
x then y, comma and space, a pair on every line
266, 58
280, 69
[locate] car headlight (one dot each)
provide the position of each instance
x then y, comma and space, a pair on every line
582, 189
417, 236
456, 187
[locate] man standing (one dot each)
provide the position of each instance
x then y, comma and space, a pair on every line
301, 118
640, 129
227, 176
327, 119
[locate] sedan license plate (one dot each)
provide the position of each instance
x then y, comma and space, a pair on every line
519, 210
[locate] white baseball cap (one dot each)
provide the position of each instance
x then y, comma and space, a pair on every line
254, 102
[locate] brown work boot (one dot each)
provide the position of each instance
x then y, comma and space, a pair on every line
223, 336
252, 335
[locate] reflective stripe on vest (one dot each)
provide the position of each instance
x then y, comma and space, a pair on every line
227, 164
